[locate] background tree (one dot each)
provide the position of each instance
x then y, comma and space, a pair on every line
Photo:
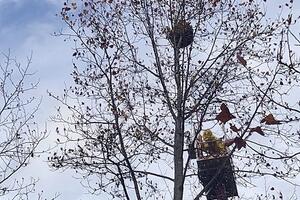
19, 135
144, 93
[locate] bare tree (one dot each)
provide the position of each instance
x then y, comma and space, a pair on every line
157, 73
19, 135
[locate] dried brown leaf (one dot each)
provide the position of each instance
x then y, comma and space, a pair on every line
225, 115
234, 128
239, 142
241, 60
257, 130
270, 120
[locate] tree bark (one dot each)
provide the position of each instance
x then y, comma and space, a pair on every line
179, 131
178, 159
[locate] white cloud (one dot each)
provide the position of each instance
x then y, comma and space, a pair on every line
56, 2
52, 61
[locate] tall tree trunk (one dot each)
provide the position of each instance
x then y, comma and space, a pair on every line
179, 131
178, 159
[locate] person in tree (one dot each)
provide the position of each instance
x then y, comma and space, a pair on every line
208, 145
212, 152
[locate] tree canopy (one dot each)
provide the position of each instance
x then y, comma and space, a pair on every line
149, 75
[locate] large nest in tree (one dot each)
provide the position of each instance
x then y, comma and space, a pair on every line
181, 35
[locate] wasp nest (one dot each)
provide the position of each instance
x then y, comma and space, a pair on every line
181, 35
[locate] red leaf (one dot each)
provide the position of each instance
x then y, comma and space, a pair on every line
225, 115
239, 142
257, 130
270, 120
241, 60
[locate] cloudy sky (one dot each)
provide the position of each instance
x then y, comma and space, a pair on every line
27, 27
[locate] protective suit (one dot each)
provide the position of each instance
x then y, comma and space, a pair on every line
212, 145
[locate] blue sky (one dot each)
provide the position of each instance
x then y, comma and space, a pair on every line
18, 18
27, 26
